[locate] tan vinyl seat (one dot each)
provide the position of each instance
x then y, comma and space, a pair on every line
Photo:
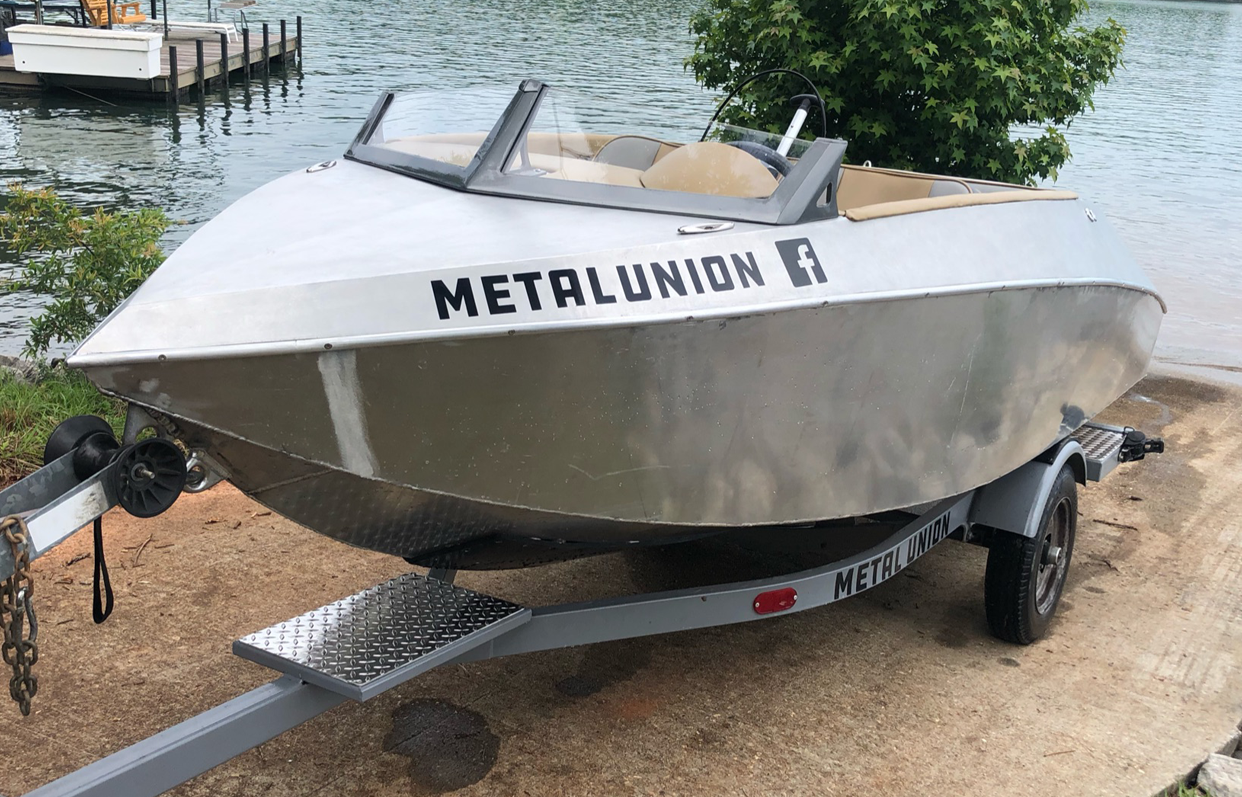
907, 206
456, 153
944, 187
634, 152
582, 171
709, 167
866, 193
706, 167
459, 148
863, 185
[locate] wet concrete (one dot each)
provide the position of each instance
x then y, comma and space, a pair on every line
898, 691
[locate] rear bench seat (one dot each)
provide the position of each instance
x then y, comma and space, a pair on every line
865, 185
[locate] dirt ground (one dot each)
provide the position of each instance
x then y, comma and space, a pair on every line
898, 691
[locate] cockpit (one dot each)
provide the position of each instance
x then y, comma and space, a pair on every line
548, 144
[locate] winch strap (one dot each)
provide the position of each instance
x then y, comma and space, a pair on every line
101, 607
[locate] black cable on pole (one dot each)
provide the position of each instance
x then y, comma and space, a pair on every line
823, 113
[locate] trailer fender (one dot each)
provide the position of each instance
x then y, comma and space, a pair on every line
1015, 501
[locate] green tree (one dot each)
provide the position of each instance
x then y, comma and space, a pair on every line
86, 264
932, 85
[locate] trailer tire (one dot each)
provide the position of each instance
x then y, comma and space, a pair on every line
1025, 575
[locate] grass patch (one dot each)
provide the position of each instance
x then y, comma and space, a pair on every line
29, 413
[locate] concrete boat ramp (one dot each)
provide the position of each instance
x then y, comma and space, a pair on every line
898, 691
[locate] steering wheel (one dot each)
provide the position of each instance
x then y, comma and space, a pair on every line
777, 163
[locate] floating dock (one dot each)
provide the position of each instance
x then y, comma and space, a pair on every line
188, 67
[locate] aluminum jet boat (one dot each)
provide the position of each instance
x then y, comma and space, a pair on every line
495, 334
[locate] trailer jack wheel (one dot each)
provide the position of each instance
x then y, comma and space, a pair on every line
1025, 575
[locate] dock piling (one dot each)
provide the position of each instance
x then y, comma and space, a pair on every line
172, 75
165, 18
200, 67
109, 16
266, 54
153, 10
224, 60
246, 52
284, 49
299, 51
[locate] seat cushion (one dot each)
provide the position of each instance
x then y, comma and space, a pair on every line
709, 167
633, 152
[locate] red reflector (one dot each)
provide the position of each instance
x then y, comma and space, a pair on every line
778, 600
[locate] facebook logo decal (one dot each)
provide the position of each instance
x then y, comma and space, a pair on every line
801, 262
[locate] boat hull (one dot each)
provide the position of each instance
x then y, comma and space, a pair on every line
438, 368
645, 433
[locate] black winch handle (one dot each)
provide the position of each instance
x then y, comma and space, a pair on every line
101, 606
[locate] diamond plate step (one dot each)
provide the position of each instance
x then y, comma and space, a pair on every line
1102, 445
367, 643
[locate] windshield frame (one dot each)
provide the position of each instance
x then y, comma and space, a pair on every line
796, 199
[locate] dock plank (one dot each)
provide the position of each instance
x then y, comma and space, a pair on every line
11, 78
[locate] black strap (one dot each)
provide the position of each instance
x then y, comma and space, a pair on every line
101, 607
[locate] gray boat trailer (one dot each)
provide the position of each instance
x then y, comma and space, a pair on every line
367, 643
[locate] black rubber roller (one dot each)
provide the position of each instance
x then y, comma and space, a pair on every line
148, 476
71, 433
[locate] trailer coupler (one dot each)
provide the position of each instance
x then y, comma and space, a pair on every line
1136, 445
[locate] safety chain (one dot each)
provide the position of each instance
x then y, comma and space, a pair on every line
20, 651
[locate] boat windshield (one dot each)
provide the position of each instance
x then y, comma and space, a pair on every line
557, 145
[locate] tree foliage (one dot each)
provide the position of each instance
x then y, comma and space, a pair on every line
932, 85
85, 263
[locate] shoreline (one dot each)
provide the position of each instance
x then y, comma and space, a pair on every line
1230, 375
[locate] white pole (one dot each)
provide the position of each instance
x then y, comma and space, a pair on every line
795, 127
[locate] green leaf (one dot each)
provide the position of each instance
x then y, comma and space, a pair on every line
86, 265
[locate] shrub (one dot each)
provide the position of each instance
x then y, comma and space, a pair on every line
931, 85
85, 263
29, 411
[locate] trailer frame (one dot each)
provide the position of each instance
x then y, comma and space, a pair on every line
370, 642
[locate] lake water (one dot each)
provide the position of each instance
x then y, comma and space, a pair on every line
1161, 156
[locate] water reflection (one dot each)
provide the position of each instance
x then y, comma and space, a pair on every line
1162, 158
1159, 156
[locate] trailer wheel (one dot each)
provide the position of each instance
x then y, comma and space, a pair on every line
1025, 575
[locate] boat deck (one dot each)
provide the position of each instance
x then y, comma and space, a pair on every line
246, 58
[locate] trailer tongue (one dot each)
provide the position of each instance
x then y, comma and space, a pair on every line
360, 646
